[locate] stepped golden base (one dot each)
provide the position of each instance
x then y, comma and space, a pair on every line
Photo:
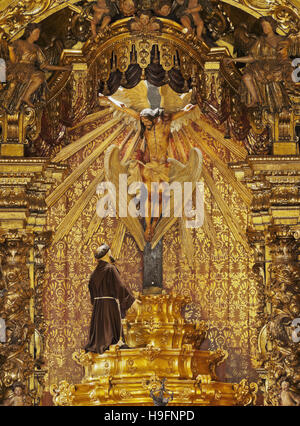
165, 346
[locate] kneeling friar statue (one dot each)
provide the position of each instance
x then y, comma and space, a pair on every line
110, 300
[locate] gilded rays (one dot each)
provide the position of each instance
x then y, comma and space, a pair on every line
184, 136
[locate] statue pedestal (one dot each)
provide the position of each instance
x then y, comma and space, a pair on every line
162, 346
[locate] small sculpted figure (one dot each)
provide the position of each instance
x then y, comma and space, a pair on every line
288, 398
189, 15
104, 11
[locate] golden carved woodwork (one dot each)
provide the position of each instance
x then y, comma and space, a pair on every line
167, 348
262, 302
17, 128
14, 17
24, 184
273, 233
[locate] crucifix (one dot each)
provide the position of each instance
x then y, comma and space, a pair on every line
152, 268
153, 258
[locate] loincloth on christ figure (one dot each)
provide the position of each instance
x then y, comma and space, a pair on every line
153, 171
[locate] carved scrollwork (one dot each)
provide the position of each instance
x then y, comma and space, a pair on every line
287, 18
17, 363
63, 393
245, 392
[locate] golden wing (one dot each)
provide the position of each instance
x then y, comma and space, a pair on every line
180, 173
113, 169
135, 98
184, 120
172, 101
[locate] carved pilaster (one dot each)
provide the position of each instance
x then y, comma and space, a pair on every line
41, 241
17, 364
283, 357
273, 234
215, 87
23, 238
257, 243
76, 98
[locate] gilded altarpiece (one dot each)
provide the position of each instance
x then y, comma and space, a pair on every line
239, 272
220, 282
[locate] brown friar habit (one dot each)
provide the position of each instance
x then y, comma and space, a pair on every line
105, 325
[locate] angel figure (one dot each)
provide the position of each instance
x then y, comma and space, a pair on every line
288, 398
267, 68
189, 15
25, 70
104, 11
18, 399
151, 163
163, 8
128, 7
144, 22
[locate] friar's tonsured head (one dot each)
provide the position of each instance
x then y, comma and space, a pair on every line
102, 251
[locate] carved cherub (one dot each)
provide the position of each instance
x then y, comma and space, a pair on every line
127, 7
163, 8
189, 16
104, 11
144, 22
288, 398
18, 399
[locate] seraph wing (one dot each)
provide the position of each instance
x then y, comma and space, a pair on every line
113, 168
135, 98
180, 173
172, 101
192, 114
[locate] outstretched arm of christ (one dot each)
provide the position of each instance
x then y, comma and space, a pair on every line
122, 107
183, 111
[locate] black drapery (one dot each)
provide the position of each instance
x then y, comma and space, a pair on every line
154, 74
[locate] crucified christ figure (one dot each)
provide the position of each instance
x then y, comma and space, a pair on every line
152, 159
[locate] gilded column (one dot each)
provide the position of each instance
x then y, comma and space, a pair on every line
23, 238
273, 235
17, 363
283, 295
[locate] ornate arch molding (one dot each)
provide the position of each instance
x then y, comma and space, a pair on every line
217, 84
15, 15
170, 49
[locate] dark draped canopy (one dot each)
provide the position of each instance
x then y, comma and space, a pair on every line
154, 74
